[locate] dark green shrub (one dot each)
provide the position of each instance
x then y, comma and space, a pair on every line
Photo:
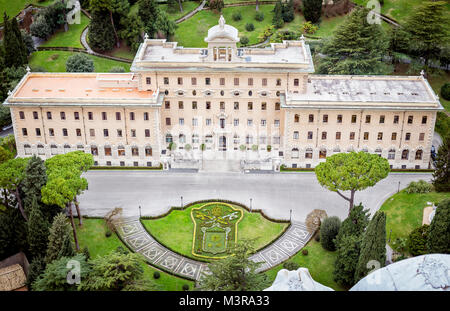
156, 275
291, 266
439, 232
237, 16
259, 16
317, 236
86, 252
185, 287
445, 91
249, 27
305, 252
420, 186
329, 229
122, 250
244, 40
108, 234
417, 240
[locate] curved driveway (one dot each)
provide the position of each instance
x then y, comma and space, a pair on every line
276, 194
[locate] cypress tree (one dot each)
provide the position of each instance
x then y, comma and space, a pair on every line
37, 267
101, 33
312, 10
13, 45
438, 240
38, 229
22, 48
148, 12
288, 11
35, 179
354, 224
277, 19
346, 260
441, 175
58, 239
356, 47
373, 246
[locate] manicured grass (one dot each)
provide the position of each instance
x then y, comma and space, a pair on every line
191, 33
188, 6
92, 235
13, 7
404, 211
176, 229
326, 26
70, 38
319, 262
47, 61
398, 10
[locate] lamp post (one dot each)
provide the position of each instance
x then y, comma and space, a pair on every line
181, 201
250, 205
398, 189
140, 215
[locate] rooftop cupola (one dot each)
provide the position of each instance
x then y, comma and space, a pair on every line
222, 40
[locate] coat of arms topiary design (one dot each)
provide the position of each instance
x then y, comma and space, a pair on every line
215, 229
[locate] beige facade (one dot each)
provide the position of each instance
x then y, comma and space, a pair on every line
262, 107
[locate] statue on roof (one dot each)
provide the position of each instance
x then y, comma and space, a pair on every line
221, 22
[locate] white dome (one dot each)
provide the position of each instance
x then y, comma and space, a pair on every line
222, 31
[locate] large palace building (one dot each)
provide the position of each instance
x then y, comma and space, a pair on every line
258, 107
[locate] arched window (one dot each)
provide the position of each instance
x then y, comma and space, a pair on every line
53, 149
134, 151
322, 153
295, 153
27, 148
169, 138
208, 139
419, 154
195, 139
308, 153
40, 149
148, 151
336, 150
80, 148
378, 151
66, 148
249, 139
182, 138
405, 154
121, 151
391, 154
296, 118
94, 150
236, 139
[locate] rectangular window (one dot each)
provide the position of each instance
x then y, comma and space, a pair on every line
22, 115
394, 136
338, 135
325, 118
108, 151
310, 135
354, 118
166, 80
296, 135
90, 116
208, 105
132, 116
207, 81
147, 133
264, 82
421, 136
194, 105
133, 133
208, 121
277, 106
250, 81
119, 133
222, 105
49, 115
167, 121
380, 136
263, 122
396, 118
250, 122
78, 132
236, 122
118, 116
194, 81
366, 135
311, 118
264, 106
410, 119
64, 131
339, 118
104, 116
424, 120
35, 115
92, 132
368, 118
167, 105
250, 106
105, 133
194, 121
181, 121
146, 116
324, 135
236, 105
180, 81
24, 132
180, 105
148, 80
51, 132
352, 135
76, 115
296, 82
236, 81
408, 136
278, 82
276, 123
382, 119
38, 132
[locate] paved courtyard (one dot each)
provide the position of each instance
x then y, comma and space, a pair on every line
276, 194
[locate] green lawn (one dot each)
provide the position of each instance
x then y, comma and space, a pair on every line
398, 10
176, 229
71, 38
191, 33
404, 211
13, 7
188, 6
92, 235
55, 61
319, 262
326, 26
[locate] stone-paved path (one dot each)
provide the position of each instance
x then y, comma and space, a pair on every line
140, 241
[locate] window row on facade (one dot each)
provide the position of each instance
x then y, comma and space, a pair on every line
352, 135
367, 119
107, 150
222, 81
222, 123
208, 139
92, 132
418, 155
236, 105
76, 115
